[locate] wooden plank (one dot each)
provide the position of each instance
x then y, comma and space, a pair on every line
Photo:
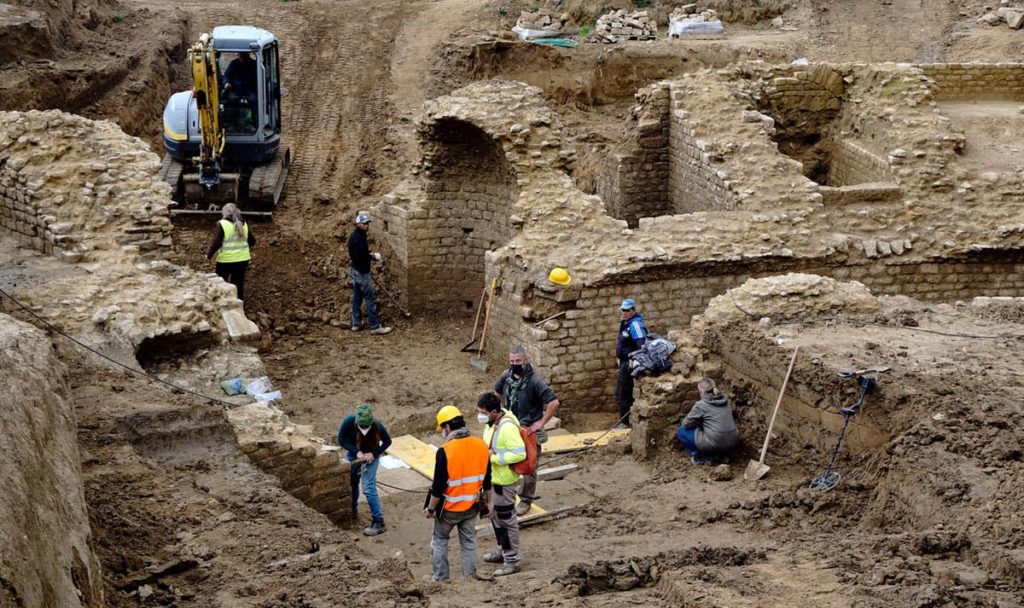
483, 529
567, 443
415, 453
553, 473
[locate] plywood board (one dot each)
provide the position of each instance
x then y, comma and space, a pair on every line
415, 453
577, 441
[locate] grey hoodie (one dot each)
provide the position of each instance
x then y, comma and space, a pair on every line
712, 417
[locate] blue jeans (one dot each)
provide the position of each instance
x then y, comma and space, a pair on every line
368, 481
688, 437
362, 289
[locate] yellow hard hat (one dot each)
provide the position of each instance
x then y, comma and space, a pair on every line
559, 276
447, 414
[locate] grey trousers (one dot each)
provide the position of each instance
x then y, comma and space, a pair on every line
464, 521
528, 491
505, 522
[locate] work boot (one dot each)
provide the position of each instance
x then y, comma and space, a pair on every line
493, 557
507, 569
700, 460
523, 507
356, 328
380, 330
375, 528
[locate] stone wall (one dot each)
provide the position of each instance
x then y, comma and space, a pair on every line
44, 526
694, 185
635, 183
965, 81
851, 163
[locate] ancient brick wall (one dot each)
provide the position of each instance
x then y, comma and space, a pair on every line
20, 217
635, 183
852, 163
965, 81
694, 185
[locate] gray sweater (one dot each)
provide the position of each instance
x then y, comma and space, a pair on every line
712, 418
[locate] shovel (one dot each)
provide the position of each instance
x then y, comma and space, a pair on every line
478, 362
757, 468
476, 323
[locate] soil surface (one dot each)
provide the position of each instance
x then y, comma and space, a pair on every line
180, 517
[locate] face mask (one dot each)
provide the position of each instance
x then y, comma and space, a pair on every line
445, 434
364, 430
482, 418
517, 369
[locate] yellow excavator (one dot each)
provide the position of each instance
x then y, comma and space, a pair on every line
223, 138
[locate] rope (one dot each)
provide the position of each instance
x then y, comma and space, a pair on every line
137, 372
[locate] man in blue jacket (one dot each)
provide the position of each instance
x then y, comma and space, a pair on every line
632, 336
364, 440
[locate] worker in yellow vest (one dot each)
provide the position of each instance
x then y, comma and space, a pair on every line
506, 447
462, 471
231, 243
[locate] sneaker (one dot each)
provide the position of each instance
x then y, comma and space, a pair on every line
507, 569
493, 557
380, 330
356, 328
375, 528
700, 460
620, 425
523, 508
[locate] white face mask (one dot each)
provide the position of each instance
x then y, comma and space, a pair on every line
445, 434
364, 430
482, 418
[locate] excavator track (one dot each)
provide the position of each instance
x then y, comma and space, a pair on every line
267, 182
170, 172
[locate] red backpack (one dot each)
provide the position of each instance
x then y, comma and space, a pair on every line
528, 466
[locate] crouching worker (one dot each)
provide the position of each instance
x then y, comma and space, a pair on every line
462, 471
709, 428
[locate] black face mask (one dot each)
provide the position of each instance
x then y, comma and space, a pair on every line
517, 369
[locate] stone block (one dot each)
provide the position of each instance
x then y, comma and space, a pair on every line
238, 326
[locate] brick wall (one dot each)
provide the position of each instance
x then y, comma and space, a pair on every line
851, 164
694, 184
20, 219
318, 479
576, 352
964, 81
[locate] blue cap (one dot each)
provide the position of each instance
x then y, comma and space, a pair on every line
628, 304
362, 218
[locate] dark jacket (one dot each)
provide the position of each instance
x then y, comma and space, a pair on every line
241, 76
528, 406
352, 440
359, 250
632, 335
712, 419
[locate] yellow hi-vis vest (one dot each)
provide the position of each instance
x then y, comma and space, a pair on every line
508, 448
467, 469
235, 248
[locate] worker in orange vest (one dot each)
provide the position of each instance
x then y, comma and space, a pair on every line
462, 473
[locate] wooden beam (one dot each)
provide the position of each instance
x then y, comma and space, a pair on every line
553, 473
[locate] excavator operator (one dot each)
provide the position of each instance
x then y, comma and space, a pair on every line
241, 77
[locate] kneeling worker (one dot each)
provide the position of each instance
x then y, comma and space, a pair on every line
709, 427
461, 470
506, 446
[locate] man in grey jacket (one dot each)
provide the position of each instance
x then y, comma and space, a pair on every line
709, 426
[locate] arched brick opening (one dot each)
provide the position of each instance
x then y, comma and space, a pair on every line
470, 192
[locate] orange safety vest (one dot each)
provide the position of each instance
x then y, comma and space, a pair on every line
467, 467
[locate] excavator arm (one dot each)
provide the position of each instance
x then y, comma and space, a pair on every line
206, 89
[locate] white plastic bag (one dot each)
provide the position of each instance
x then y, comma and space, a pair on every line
695, 27
257, 386
525, 34
268, 396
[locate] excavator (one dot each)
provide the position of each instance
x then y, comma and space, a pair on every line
222, 139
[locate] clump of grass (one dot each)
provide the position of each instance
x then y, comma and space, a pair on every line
117, 18
585, 30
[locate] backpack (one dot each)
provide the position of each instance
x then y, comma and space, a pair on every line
528, 466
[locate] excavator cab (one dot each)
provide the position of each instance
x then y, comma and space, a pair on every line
223, 138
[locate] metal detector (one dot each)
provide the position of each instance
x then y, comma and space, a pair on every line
829, 479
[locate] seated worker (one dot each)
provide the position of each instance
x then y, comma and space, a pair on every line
240, 78
709, 427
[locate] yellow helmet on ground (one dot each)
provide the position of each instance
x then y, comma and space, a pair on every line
559, 276
447, 414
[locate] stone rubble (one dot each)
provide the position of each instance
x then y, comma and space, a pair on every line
619, 25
